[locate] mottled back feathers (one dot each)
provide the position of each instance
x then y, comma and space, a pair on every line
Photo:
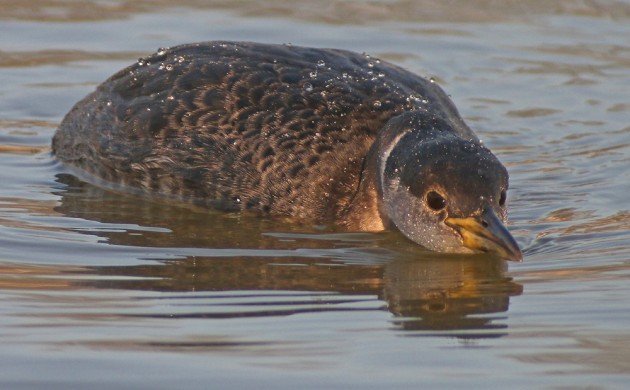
244, 126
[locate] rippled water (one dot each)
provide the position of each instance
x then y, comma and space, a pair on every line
99, 289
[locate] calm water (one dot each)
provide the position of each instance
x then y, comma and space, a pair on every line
98, 289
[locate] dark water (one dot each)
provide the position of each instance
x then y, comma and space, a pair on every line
99, 289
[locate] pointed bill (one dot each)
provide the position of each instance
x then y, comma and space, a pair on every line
486, 233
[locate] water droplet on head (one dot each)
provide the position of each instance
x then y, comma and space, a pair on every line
308, 87
170, 97
161, 51
381, 74
141, 61
180, 59
169, 67
432, 80
313, 74
321, 63
377, 103
370, 64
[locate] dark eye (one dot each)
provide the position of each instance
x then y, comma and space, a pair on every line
435, 201
502, 198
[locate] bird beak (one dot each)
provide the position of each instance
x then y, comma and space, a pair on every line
486, 233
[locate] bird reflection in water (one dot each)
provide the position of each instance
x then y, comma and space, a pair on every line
423, 290
448, 293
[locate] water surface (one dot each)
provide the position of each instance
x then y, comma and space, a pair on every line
101, 289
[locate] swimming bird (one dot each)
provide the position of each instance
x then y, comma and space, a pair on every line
319, 135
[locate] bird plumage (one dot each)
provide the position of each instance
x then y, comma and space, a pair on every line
273, 128
276, 129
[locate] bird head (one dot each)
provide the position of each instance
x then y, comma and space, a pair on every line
443, 191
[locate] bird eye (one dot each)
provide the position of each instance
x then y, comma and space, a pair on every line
435, 201
502, 198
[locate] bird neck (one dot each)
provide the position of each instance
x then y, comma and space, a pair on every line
364, 212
